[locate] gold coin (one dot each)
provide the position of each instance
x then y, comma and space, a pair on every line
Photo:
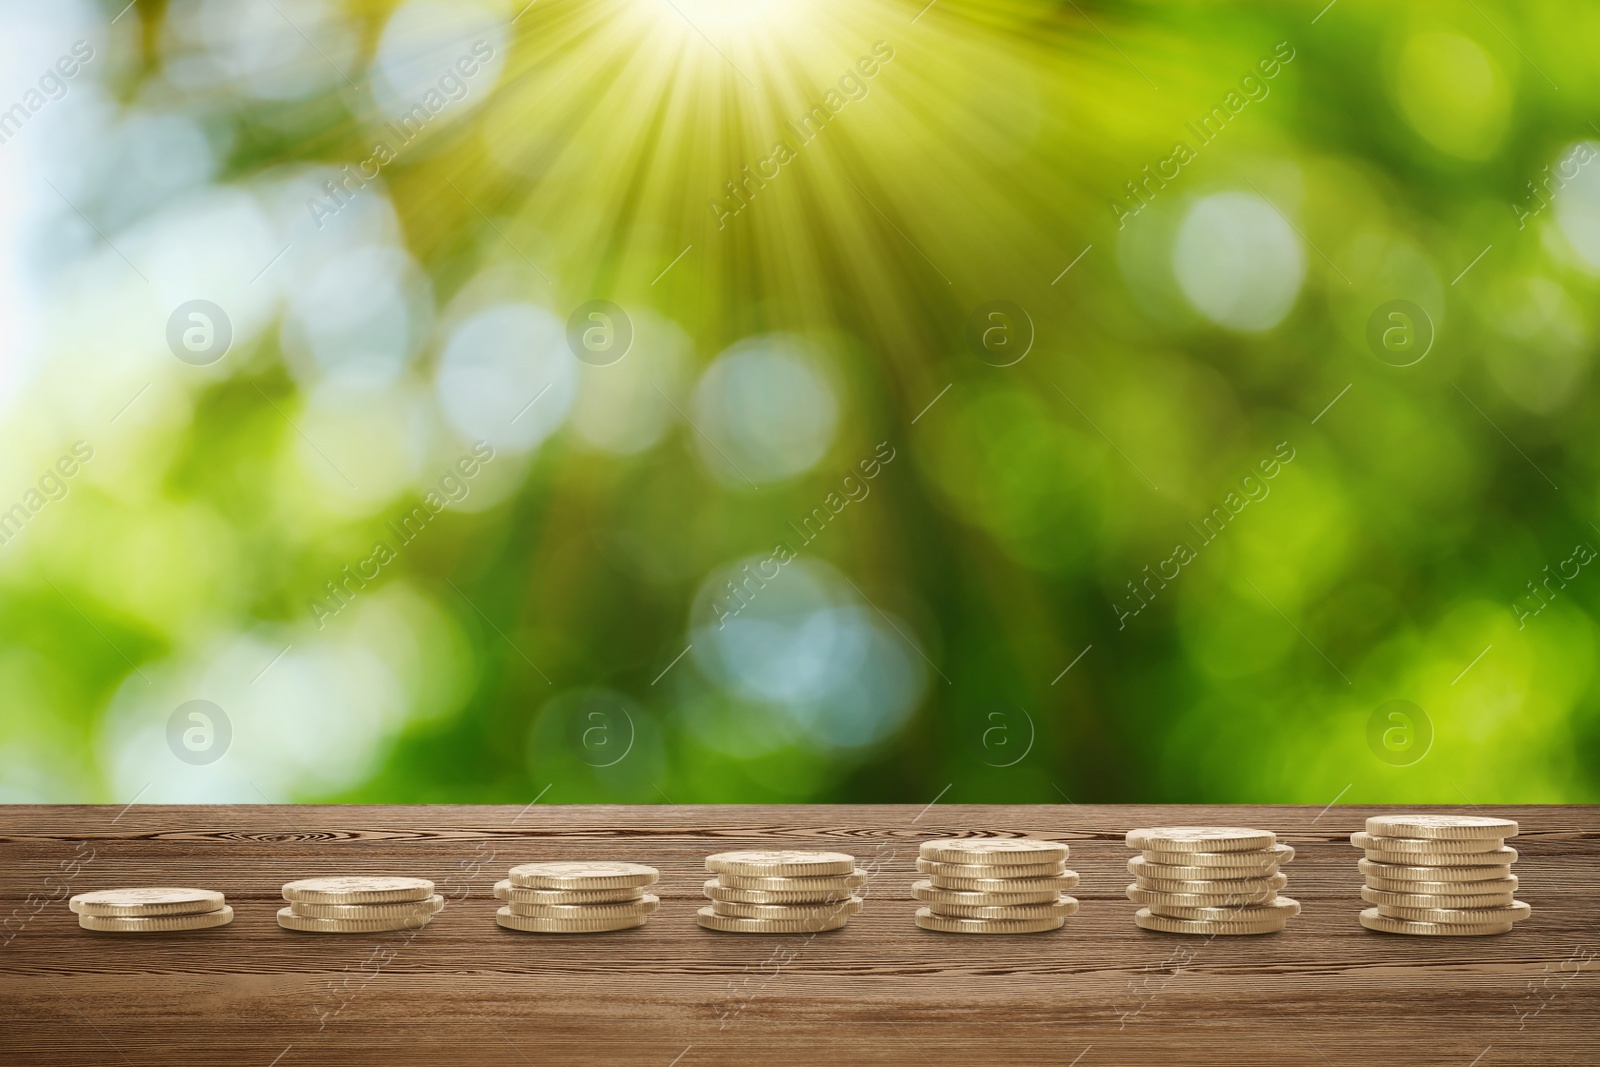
357, 890
402, 910
795, 884
1362, 839
1435, 900
949, 924
993, 851
812, 897
156, 924
523, 895
926, 890
820, 913
1055, 883
645, 905
1267, 857
1285, 907
1201, 839
1236, 899
1394, 872
1382, 923
1140, 867
985, 870
1145, 920
1498, 858
310, 924
1464, 889
733, 924
1061, 907
1441, 827
583, 874
532, 924
1251, 887
1516, 911
153, 900
780, 863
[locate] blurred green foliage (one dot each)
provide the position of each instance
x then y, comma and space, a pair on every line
626, 604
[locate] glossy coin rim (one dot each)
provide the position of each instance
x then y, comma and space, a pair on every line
1427, 846
982, 870
1435, 900
993, 851
801, 865
1067, 880
527, 924
1246, 913
1277, 854
202, 901
1145, 919
1200, 839
1064, 907
932, 894
649, 904
1449, 828
788, 883
734, 909
708, 919
1514, 912
306, 924
304, 889
945, 924
1384, 925
308, 909
1393, 872
520, 894
157, 924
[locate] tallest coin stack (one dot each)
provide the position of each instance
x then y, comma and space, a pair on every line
1444, 875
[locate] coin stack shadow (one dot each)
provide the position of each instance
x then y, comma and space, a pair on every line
150, 910
780, 891
994, 885
358, 905
576, 897
1439, 875
1209, 880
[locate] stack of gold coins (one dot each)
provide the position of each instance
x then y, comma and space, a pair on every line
1209, 880
358, 905
1440, 875
781, 892
578, 897
994, 885
155, 910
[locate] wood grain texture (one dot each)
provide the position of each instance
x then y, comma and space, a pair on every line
463, 991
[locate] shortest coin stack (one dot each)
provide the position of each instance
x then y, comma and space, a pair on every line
157, 909
577, 897
1439, 875
994, 885
358, 905
781, 892
1209, 880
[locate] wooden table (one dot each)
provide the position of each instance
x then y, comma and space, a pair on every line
463, 991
